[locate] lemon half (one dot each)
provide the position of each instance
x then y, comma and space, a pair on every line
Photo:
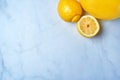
88, 26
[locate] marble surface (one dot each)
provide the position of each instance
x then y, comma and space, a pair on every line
35, 44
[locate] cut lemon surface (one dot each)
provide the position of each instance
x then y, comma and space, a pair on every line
88, 26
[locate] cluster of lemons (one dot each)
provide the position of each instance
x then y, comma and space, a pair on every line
87, 25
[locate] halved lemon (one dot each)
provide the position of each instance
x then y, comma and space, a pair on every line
88, 26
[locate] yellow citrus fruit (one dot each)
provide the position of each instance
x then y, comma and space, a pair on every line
102, 9
88, 26
69, 10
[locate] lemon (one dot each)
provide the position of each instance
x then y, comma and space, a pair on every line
102, 9
88, 26
69, 10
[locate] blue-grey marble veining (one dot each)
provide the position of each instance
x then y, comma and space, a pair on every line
35, 44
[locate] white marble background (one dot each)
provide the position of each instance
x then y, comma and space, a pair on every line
35, 44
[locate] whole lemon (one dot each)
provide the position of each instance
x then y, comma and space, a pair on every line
102, 9
69, 10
